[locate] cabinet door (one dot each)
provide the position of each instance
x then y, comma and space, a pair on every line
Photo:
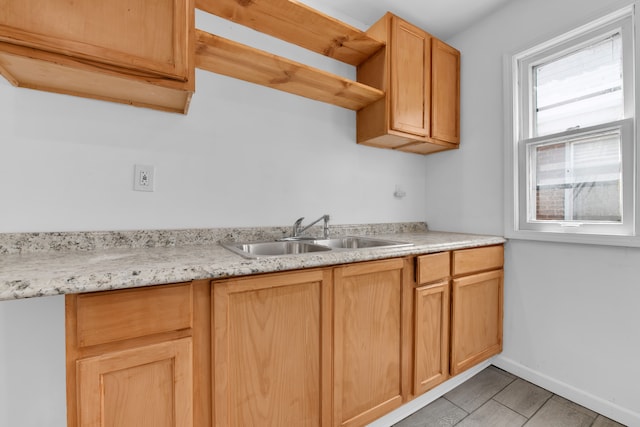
272, 350
410, 78
149, 386
445, 92
149, 35
431, 343
476, 321
369, 321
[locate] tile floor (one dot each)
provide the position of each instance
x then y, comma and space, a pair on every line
495, 398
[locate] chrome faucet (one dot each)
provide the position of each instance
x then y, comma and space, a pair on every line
297, 231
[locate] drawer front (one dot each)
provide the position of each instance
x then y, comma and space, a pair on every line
478, 259
433, 267
119, 315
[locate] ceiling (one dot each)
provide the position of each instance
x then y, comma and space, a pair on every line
442, 18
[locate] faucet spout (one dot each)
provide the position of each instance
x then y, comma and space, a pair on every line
297, 231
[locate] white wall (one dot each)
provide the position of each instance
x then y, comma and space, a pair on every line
244, 156
32, 363
571, 311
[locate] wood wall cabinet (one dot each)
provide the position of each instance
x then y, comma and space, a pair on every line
138, 53
476, 305
272, 350
371, 320
421, 77
132, 356
144, 53
431, 322
445, 92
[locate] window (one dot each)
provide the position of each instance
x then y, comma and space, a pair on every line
574, 138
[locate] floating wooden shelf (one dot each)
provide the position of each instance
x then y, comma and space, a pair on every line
223, 56
299, 24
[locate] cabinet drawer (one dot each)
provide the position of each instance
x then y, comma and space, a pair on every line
432, 267
119, 315
477, 259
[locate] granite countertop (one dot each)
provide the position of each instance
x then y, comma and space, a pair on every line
62, 268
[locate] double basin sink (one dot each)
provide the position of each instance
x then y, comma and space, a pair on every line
301, 246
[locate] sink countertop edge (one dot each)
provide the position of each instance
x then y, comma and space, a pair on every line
56, 273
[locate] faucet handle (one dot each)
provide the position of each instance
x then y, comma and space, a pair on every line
296, 227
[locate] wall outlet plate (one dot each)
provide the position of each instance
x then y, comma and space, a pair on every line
143, 178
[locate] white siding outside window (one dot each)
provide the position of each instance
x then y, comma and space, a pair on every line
581, 89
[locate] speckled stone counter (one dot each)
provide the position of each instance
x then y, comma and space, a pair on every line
41, 264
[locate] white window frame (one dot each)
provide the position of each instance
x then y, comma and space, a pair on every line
518, 136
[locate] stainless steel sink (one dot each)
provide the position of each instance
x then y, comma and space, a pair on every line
291, 246
262, 249
358, 242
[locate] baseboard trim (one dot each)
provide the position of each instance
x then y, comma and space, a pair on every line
595, 403
423, 400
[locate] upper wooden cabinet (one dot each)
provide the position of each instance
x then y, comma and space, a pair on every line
445, 92
421, 77
143, 35
145, 52
410, 62
137, 53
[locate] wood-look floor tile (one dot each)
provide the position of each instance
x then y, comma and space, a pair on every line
493, 414
441, 413
477, 390
503, 372
602, 421
523, 397
559, 412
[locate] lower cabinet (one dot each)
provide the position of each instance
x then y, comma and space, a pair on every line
139, 357
272, 350
431, 321
431, 336
476, 306
336, 346
476, 321
371, 313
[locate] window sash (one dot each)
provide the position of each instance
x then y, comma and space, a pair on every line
525, 63
527, 201
593, 73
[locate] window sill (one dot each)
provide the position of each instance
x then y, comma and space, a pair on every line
584, 239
